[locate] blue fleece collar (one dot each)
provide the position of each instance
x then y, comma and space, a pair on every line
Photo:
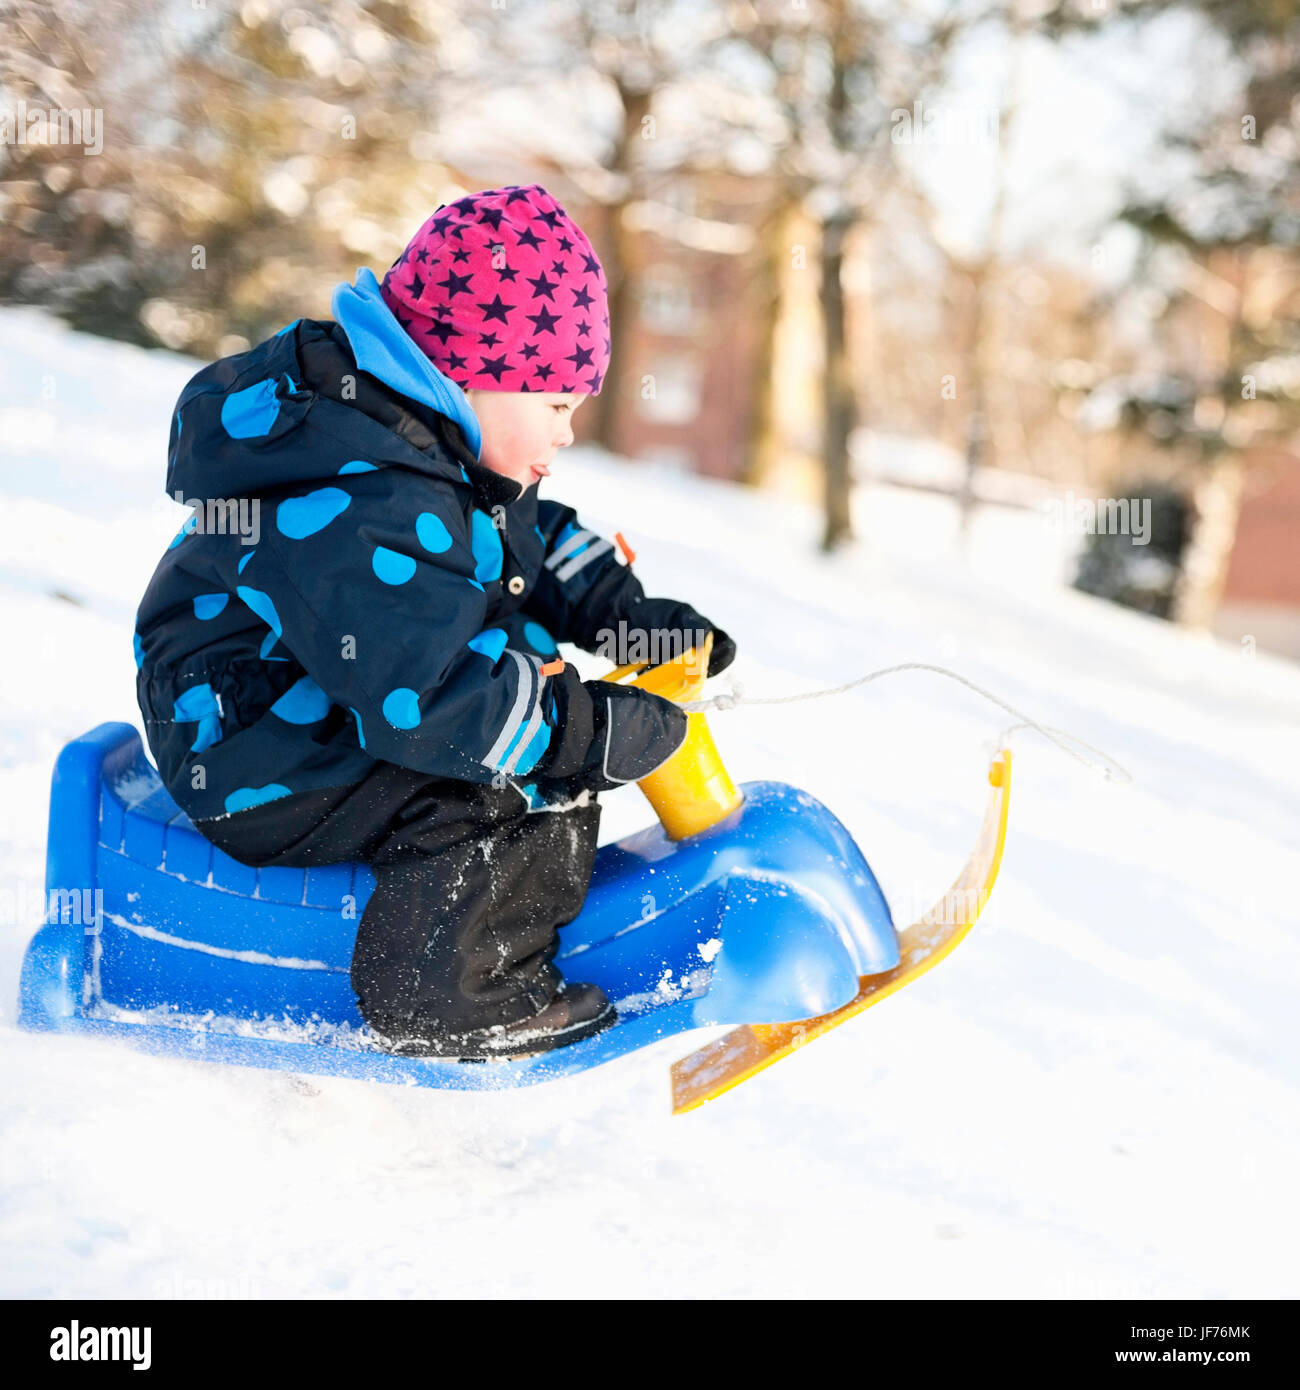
381, 346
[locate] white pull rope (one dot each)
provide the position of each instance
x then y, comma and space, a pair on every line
1103, 763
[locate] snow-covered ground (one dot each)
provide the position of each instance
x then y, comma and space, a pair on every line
1095, 1097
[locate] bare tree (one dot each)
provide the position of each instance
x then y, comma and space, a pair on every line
840, 68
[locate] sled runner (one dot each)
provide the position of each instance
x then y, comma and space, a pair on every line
747, 907
745, 1051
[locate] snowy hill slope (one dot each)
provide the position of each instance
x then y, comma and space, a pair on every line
1095, 1097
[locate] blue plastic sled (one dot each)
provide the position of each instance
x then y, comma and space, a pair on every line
156, 937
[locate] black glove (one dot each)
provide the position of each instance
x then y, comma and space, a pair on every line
670, 629
606, 734
722, 654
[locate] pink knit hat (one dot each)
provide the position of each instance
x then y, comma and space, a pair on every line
502, 291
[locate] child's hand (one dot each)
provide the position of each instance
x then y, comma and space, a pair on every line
608, 734
674, 624
722, 654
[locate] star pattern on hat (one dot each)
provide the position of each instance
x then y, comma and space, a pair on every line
500, 289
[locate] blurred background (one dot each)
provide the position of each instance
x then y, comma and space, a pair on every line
1024, 255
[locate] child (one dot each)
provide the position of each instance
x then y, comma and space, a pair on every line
366, 668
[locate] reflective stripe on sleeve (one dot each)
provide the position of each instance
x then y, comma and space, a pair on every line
592, 552
527, 707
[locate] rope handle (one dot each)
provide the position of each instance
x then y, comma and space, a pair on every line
1108, 767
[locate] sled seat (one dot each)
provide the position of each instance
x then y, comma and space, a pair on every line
139, 821
161, 919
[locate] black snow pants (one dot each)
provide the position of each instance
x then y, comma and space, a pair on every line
470, 886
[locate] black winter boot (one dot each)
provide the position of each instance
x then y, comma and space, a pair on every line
578, 1011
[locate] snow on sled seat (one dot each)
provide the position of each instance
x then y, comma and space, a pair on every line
157, 937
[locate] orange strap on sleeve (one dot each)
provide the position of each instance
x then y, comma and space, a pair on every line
628, 553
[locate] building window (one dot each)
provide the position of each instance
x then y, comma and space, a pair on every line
670, 389
666, 301
680, 195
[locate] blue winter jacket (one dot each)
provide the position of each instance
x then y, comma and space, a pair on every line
354, 584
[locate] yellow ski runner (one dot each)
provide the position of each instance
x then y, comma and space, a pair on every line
745, 1051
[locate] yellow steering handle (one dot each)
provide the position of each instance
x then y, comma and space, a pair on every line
692, 790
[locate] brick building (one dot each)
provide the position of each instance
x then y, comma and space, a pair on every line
1261, 593
691, 337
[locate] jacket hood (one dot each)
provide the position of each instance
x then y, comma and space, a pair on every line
383, 348
242, 427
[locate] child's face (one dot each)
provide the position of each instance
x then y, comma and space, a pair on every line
522, 430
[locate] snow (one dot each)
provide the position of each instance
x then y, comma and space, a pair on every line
253, 957
1094, 1097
